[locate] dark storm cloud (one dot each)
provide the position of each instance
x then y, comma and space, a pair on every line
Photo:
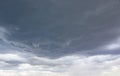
60, 27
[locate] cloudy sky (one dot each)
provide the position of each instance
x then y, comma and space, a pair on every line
59, 38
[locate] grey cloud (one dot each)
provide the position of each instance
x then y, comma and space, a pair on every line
55, 28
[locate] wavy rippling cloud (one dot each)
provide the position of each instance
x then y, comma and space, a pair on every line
59, 38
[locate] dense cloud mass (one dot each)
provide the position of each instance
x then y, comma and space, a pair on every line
59, 37
61, 27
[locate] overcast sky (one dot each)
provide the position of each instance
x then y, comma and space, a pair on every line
59, 38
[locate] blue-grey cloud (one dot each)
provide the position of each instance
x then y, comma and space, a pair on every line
55, 28
59, 38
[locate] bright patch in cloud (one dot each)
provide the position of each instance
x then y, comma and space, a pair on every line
11, 57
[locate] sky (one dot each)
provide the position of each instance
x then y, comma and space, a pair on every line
59, 38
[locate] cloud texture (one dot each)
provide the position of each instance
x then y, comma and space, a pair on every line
59, 38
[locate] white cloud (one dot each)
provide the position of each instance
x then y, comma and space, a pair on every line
3, 33
96, 66
113, 45
99, 65
11, 57
28, 73
74, 65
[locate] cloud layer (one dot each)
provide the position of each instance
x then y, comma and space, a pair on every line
99, 65
59, 38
